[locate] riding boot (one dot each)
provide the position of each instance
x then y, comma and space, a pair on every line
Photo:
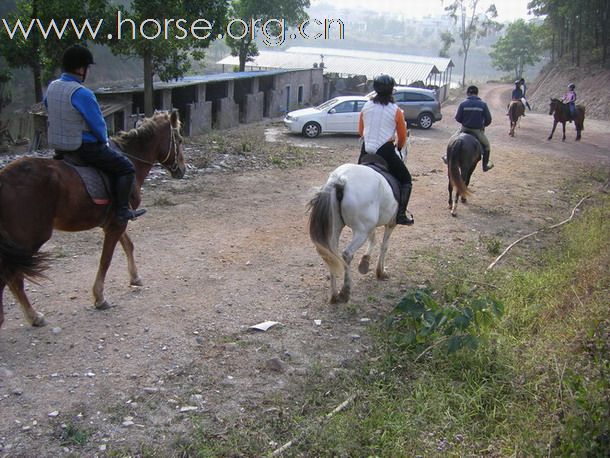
123, 187
487, 165
405, 195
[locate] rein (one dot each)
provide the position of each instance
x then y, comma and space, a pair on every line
172, 142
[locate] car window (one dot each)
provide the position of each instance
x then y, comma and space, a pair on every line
412, 97
345, 107
399, 97
359, 105
326, 104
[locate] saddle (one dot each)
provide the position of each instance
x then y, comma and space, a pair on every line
379, 165
96, 182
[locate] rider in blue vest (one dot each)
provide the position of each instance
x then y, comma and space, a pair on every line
76, 124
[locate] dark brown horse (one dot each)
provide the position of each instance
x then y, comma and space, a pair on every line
38, 195
561, 113
463, 154
515, 111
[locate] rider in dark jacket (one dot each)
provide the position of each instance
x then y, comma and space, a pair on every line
473, 114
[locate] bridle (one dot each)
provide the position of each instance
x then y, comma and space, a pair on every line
172, 142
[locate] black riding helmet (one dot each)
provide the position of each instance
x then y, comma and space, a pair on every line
384, 84
76, 56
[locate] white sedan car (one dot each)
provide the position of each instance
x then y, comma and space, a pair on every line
338, 115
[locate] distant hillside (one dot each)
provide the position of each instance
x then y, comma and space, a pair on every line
591, 88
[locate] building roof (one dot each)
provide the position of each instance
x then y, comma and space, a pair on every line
441, 63
190, 81
404, 68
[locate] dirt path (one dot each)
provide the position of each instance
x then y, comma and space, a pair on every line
231, 251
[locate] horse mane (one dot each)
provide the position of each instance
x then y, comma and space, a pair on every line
136, 138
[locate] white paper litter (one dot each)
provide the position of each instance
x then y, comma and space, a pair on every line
264, 325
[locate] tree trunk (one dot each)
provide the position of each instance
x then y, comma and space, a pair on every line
464, 69
148, 84
37, 73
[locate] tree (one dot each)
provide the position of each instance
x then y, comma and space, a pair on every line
472, 24
40, 53
447, 40
251, 16
517, 49
576, 28
166, 48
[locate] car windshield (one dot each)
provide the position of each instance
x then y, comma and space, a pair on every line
327, 104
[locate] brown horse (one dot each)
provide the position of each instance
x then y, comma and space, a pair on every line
561, 113
515, 111
38, 195
463, 154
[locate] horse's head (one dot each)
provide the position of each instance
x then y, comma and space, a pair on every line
554, 106
156, 139
171, 157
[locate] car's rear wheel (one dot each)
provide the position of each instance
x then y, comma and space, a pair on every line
312, 129
425, 120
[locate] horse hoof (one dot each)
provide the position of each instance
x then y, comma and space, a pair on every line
549, 138
363, 267
454, 214
103, 306
39, 321
383, 276
136, 282
464, 200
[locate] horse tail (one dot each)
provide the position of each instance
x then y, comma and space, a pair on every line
324, 218
581, 108
15, 260
453, 168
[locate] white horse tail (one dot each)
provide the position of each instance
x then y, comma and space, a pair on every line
324, 220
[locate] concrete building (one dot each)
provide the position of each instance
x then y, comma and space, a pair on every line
431, 72
219, 101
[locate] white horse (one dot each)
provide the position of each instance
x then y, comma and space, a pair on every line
358, 197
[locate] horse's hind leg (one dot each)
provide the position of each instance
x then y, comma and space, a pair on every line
111, 237
563, 138
358, 239
16, 286
381, 272
127, 244
363, 267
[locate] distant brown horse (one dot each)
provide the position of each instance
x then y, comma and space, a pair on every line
515, 111
561, 113
38, 195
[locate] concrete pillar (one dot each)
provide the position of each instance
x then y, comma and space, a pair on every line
166, 99
200, 94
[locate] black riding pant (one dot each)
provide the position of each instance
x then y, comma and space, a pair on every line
101, 156
396, 165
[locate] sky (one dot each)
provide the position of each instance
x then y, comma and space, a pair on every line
508, 10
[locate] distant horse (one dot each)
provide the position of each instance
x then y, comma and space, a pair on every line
463, 154
561, 113
360, 198
515, 111
38, 195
